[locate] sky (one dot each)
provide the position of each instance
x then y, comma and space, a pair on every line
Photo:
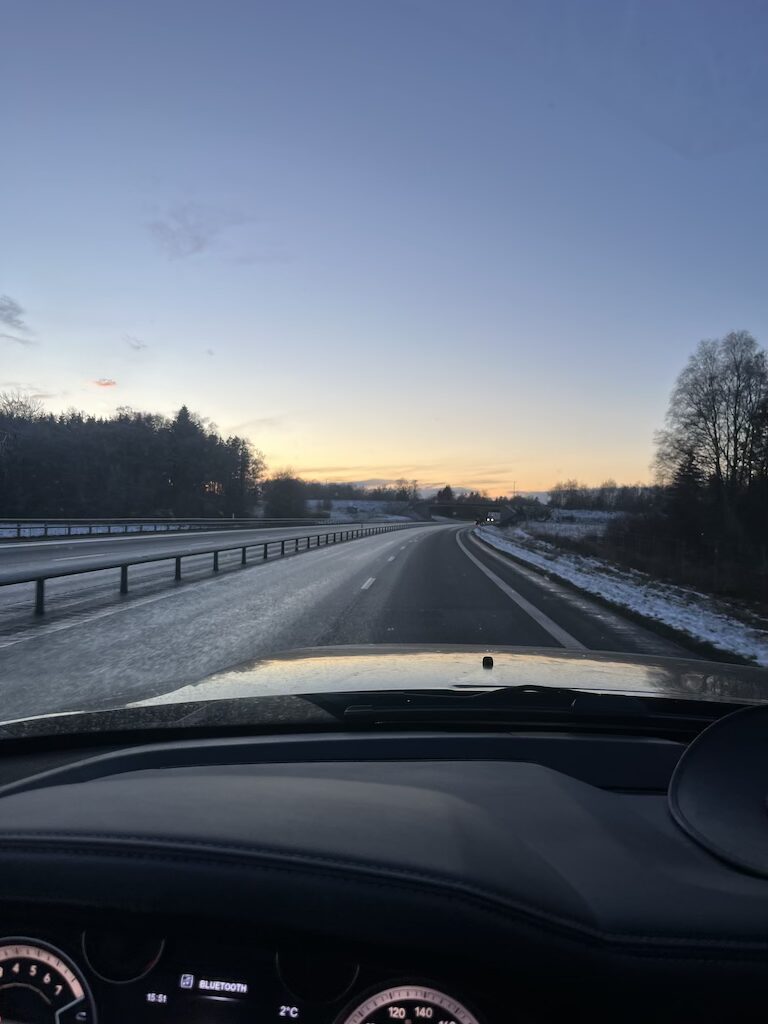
467, 242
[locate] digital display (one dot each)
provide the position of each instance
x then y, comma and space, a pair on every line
244, 987
194, 996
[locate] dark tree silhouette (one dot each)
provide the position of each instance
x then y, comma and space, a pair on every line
130, 464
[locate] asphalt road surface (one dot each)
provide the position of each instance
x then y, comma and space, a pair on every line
426, 584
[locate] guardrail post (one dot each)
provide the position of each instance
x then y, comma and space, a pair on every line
39, 597
123, 579
215, 561
282, 548
177, 574
296, 545
266, 553
243, 558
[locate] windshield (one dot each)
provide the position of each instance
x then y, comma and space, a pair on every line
406, 322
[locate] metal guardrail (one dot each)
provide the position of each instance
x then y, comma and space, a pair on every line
283, 545
27, 529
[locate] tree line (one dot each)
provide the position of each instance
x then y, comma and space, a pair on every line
607, 497
139, 464
132, 464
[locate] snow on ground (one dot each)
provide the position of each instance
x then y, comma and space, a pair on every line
585, 515
708, 619
576, 524
367, 510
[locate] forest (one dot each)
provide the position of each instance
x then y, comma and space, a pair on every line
132, 464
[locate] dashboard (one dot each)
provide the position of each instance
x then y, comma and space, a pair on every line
362, 878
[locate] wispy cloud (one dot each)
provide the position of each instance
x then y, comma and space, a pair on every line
11, 314
133, 342
260, 423
30, 389
105, 382
189, 229
26, 342
210, 352
402, 472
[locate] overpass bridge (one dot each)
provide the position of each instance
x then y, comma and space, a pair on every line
460, 510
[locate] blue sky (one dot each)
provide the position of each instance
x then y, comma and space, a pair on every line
467, 242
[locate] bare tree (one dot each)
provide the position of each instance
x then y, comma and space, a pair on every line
714, 417
16, 405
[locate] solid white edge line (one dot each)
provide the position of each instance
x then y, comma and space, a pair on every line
555, 631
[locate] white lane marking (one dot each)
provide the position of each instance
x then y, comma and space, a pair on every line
392, 558
368, 583
555, 631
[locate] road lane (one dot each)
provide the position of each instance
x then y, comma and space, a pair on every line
382, 589
439, 595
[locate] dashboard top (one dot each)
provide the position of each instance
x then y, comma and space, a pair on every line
437, 855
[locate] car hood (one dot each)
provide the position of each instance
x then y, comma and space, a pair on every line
418, 667
278, 691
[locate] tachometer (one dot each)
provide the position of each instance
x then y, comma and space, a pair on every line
40, 985
411, 1004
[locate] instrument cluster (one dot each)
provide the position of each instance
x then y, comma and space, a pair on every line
104, 975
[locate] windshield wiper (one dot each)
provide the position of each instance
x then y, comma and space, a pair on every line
532, 705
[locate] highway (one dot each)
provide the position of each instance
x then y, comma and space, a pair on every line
30, 556
430, 584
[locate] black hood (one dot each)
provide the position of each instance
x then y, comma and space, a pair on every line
278, 692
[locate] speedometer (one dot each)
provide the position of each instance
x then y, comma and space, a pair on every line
411, 1004
40, 985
